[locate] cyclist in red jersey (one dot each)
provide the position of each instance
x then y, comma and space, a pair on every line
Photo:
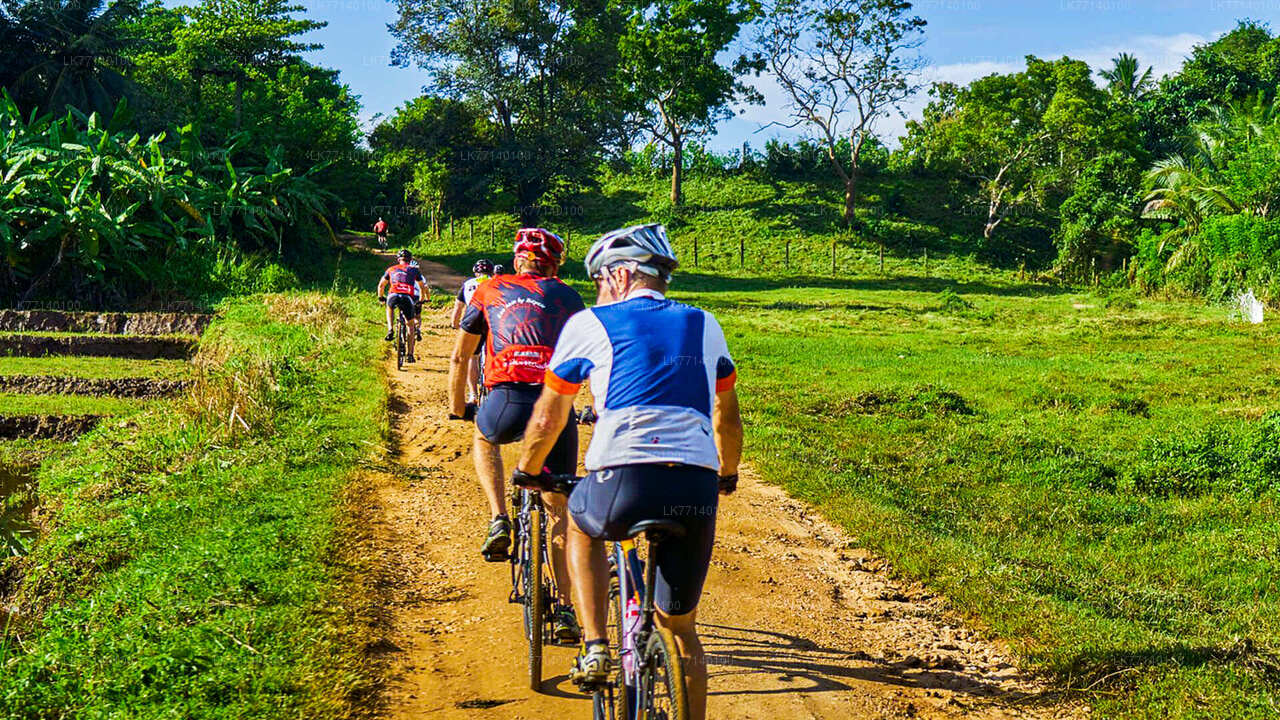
380, 229
402, 279
520, 317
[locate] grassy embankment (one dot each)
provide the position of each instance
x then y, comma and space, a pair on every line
1092, 477
110, 368
193, 563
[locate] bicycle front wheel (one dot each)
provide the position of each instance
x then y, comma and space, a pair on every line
661, 685
534, 606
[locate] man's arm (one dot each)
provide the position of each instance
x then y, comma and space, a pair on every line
463, 348
424, 291
550, 415
381, 284
458, 308
726, 421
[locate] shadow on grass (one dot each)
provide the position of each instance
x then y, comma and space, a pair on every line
706, 282
1115, 668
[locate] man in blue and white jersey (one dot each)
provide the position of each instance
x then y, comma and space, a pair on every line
669, 435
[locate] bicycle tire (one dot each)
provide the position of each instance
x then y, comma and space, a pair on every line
535, 609
617, 616
660, 664
400, 339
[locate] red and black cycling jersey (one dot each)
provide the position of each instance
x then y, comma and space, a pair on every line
523, 316
402, 278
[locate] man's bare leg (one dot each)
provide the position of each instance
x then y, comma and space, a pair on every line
557, 511
488, 460
589, 580
692, 658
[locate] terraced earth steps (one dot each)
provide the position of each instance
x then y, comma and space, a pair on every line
96, 387
145, 323
46, 427
136, 347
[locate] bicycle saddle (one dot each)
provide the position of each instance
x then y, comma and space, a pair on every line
655, 529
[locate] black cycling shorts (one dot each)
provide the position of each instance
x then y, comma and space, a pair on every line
410, 307
504, 414
608, 502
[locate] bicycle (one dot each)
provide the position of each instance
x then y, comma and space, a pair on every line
533, 584
649, 681
402, 334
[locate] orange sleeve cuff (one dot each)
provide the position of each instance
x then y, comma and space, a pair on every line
727, 383
556, 383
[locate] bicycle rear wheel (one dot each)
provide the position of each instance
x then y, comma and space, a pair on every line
400, 339
661, 686
534, 605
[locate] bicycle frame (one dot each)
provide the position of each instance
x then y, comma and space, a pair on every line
636, 581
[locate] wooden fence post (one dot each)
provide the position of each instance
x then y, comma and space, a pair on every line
833, 258
787, 263
471, 232
451, 228
881, 257
493, 237
742, 250
926, 262
695, 251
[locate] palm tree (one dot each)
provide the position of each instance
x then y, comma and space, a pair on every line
72, 52
1124, 80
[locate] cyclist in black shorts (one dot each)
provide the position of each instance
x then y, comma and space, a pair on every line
519, 317
403, 279
667, 441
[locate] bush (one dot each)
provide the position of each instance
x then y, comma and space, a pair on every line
1224, 458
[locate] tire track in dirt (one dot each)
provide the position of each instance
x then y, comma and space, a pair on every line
797, 622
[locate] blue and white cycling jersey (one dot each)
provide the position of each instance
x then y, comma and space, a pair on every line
655, 366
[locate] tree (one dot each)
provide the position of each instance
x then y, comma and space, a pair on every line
1124, 80
1022, 137
667, 62
437, 152
60, 54
242, 41
1099, 218
541, 69
843, 65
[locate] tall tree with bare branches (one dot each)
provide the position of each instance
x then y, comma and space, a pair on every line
843, 65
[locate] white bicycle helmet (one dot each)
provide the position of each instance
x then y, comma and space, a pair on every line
645, 245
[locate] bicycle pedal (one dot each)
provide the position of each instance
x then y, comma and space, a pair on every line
496, 557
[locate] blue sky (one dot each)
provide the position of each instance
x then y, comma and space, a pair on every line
966, 39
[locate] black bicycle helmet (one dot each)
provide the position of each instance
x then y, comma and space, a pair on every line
404, 255
482, 267
499, 269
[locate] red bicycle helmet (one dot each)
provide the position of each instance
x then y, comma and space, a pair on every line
541, 245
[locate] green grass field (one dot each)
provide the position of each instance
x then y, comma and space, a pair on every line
1096, 484
96, 367
67, 405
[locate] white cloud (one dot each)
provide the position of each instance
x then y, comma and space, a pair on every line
1164, 53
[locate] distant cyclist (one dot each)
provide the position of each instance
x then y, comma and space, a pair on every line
380, 230
402, 280
669, 435
499, 269
521, 317
482, 271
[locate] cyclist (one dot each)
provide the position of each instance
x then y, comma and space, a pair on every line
669, 435
521, 315
482, 271
499, 269
403, 279
380, 230
417, 299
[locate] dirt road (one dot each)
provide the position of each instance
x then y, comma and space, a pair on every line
798, 623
